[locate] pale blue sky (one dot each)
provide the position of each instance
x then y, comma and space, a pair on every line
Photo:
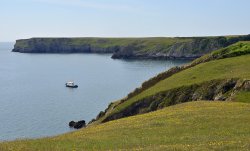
122, 18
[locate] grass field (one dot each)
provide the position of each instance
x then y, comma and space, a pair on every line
243, 96
189, 126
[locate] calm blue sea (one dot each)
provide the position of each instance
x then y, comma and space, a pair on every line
34, 101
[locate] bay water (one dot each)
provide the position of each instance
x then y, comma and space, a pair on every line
34, 101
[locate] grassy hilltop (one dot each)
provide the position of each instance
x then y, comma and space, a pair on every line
201, 106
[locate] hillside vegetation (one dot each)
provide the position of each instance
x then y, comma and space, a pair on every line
189, 126
195, 79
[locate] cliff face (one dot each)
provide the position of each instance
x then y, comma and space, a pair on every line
129, 48
191, 48
58, 45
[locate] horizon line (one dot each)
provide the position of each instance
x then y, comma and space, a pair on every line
130, 37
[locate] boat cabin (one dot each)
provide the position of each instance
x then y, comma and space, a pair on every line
71, 84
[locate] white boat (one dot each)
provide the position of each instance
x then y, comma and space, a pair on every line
71, 84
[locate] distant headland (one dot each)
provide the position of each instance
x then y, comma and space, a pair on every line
131, 48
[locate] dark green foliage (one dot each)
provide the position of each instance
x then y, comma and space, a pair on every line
234, 39
101, 114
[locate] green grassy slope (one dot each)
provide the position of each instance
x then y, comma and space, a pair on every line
237, 49
232, 67
227, 68
243, 96
189, 126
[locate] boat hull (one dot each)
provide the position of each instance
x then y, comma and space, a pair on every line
69, 86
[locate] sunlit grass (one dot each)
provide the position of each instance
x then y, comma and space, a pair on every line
190, 126
242, 96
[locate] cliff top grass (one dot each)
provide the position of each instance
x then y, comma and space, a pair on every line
190, 126
150, 42
232, 67
237, 49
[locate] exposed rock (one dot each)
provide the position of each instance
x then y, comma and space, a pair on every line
220, 97
191, 48
126, 52
246, 85
72, 123
78, 124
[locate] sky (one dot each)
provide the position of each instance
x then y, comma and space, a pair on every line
122, 18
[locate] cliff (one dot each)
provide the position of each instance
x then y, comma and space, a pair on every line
129, 48
62, 45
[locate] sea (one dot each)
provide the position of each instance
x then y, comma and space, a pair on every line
34, 101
